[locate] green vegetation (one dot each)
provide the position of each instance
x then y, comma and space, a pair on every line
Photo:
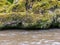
29, 13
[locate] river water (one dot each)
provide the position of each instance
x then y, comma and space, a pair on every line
30, 37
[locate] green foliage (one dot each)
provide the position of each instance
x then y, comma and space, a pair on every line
29, 13
18, 7
11, 1
57, 18
4, 4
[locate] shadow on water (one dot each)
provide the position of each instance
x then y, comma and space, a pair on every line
27, 29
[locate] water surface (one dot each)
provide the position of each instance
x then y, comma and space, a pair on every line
31, 37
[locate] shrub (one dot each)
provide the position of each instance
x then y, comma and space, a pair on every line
57, 19
10, 19
30, 13
37, 21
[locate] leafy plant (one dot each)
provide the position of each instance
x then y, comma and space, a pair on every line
10, 1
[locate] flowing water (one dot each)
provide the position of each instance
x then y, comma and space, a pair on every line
31, 37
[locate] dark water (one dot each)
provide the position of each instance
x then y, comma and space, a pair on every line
24, 37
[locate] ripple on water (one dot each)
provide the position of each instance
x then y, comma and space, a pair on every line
30, 38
